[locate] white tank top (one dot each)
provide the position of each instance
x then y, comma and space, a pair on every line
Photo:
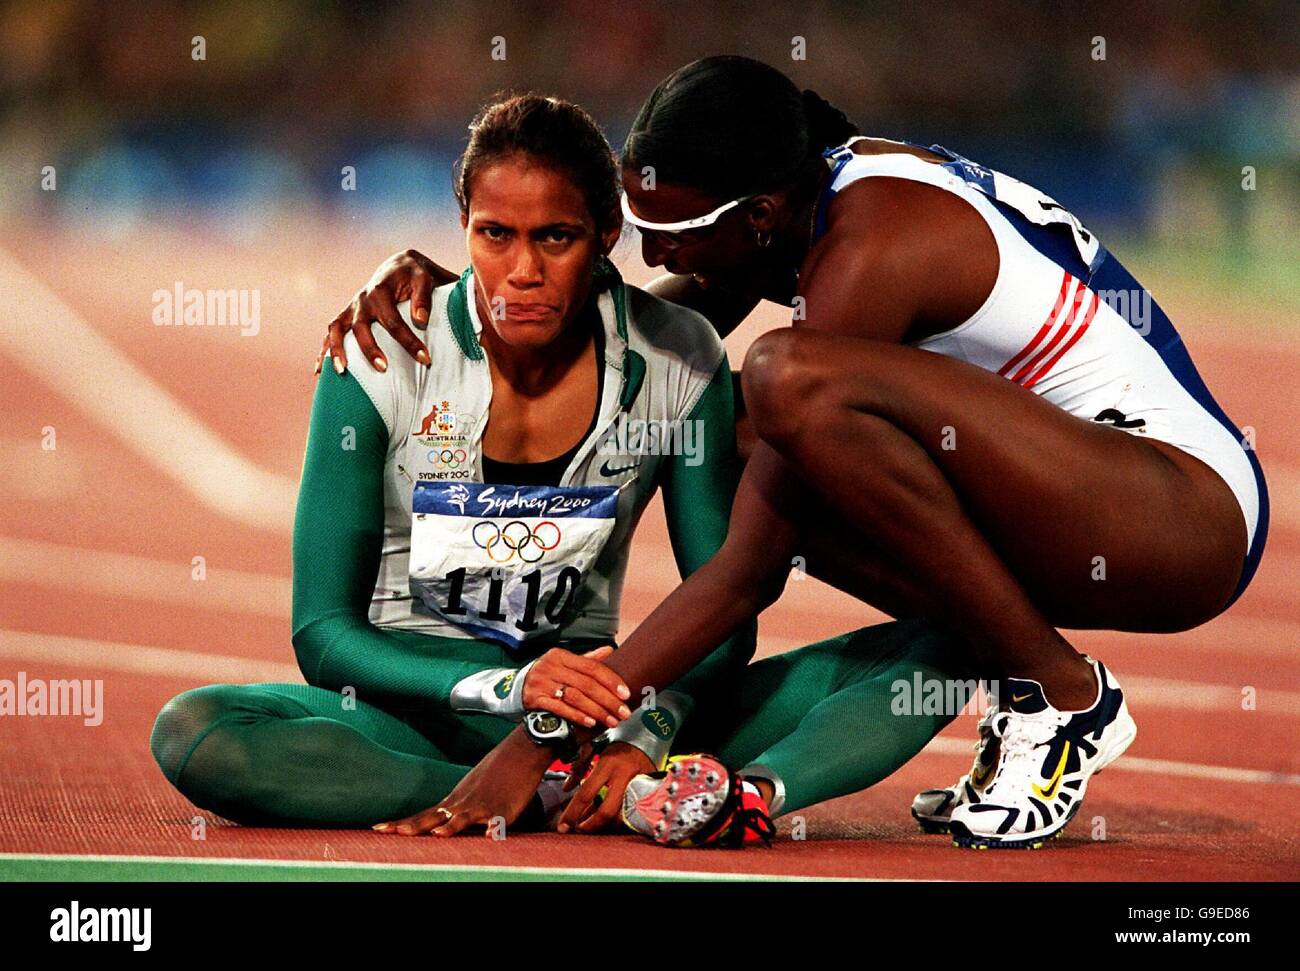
1107, 355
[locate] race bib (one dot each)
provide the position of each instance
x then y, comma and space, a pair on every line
1038, 207
506, 562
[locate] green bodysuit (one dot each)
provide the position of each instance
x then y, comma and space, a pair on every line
373, 737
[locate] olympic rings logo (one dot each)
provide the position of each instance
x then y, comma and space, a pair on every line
487, 535
447, 458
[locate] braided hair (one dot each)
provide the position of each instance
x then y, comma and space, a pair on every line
732, 126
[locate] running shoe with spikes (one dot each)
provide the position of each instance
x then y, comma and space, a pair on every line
696, 801
932, 809
1044, 761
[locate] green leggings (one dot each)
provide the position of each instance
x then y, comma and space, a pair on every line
820, 717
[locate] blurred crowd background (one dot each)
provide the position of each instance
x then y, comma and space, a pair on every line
1149, 141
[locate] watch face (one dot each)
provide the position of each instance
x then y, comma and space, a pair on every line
547, 723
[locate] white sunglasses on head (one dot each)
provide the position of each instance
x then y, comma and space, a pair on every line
699, 222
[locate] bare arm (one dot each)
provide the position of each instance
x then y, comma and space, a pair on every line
408, 275
903, 280
873, 289
746, 575
722, 308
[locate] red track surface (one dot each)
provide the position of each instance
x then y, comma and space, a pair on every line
66, 788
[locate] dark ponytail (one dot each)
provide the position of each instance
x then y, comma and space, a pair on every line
828, 127
731, 126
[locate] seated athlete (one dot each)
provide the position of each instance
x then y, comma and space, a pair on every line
462, 535
961, 424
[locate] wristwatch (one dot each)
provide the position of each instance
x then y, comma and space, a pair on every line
548, 728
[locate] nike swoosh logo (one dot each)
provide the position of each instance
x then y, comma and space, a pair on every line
1055, 782
1021, 697
606, 471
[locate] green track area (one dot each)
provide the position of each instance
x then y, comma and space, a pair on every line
1260, 282
24, 868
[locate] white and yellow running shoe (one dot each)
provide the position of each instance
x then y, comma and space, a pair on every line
932, 809
1045, 758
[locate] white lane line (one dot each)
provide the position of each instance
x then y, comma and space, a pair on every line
142, 578
95, 573
108, 386
1145, 692
1231, 633
1217, 773
1133, 763
180, 446
137, 577
612, 873
209, 668
132, 659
